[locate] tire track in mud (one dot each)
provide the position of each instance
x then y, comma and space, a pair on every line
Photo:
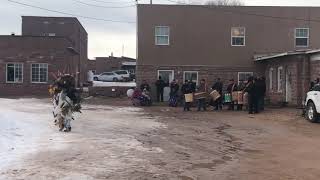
190, 145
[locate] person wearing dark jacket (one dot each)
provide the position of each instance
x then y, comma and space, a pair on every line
160, 84
145, 86
202, 88
174, 90
251, 88
231, 88
218, 87
186, 89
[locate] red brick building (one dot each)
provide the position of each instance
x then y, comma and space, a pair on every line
48, 45
27, 63
205, 42
111, 63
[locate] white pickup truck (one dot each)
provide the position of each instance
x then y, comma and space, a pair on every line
312, 104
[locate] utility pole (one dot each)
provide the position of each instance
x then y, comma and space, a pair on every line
150, 1
122, 50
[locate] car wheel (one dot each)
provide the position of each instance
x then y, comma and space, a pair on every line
115, 79
311, 113
95, 79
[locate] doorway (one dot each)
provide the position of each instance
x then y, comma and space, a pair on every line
167, 76
288, 86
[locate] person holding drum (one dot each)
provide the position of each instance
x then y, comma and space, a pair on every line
218, 87
202, 89
232, 87
241, 87
187, 91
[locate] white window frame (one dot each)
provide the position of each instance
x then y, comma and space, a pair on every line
295, 37
184, 75
271, 78
243, 73
279, 80
155, 36
35, 82
14, 82
244, 37
166, 71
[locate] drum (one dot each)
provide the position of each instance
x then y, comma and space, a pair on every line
188, 97
235, 96
215, 95
245, 98
227, 98
130, 93
200, 95
240, 97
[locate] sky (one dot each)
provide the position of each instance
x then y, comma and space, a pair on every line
104, 37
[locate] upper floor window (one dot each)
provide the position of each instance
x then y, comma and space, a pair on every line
46, 22
162, 34
302, 37
238, 36
14, 73
39, 73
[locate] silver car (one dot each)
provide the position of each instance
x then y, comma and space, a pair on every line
108, 76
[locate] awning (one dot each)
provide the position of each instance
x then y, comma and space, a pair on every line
258, 58
129, 63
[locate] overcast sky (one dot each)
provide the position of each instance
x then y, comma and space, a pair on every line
104, 37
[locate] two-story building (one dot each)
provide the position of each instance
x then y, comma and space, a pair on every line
206, 42
47, 46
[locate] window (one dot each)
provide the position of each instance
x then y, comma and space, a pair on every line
121, 72
238, 36
191, 76
46, 22
51, 34
302, 37
244, 76
162, 35
61, 23
39, 73
280, 78
316, 88
271, 78
14, 73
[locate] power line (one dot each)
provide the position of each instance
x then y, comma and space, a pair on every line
100, 6
113, 2
69, 14
218, 8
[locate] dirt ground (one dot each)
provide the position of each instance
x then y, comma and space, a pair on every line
112, 140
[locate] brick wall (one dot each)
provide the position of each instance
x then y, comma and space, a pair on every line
27, 50
296, 68
210, 74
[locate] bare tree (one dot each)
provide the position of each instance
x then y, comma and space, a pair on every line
225, 3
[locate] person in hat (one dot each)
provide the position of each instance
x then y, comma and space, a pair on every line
186, 89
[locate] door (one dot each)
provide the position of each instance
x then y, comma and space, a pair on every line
167, 76
288, 87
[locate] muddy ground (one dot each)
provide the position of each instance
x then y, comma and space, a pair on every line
112, 140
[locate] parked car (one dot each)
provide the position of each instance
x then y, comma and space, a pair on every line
108, 76
124, 73
312, 104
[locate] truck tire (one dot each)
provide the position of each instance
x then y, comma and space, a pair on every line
311, 113
115, 80
95, 79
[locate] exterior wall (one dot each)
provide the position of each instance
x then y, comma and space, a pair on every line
107, 64
200, 36
68, 27
315, 67
298, 77
28, 50
210, 74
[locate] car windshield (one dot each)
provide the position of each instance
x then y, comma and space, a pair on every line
316, 88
